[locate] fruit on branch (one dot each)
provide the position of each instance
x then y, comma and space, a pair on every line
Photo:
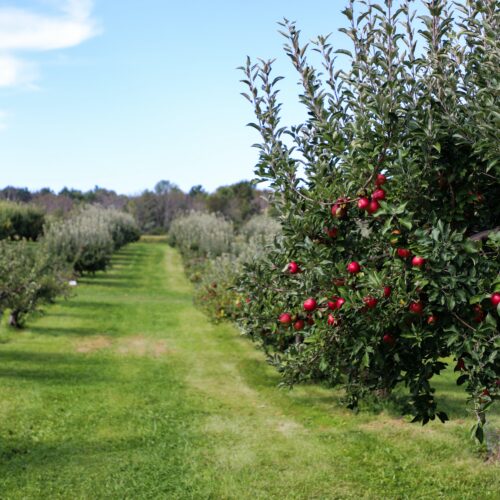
417, 261
340, 302
370, 302
331, 320
388, 339
353, 267
378, 194
363, 203
332, 304
387, 291
373, 207
310, 304
460, 366
293, 268
299, 324
404, 253
416, 307
381, 179
285, 318
431, 319
331, 232
495, 299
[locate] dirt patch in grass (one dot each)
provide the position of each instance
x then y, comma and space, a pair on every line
94, 344
142, 346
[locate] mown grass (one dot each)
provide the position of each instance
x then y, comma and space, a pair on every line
127, 391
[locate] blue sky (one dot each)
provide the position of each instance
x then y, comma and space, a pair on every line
123, 93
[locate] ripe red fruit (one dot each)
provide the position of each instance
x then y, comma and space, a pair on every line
370, 302
381, 178
332, 305
417, 261
310, 320
285, 318
460, 365
338, 211
331, 232
404, 253
310, 304
387, 291
373, 207
363, 203
378, 194
299, 324
485, 393
388, 339
340, 302
293, 267
331, 320
416, 307
353, 267
480, 314
495, 299
431, 319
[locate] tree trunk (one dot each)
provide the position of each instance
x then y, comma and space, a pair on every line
14, 319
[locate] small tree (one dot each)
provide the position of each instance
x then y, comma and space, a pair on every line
388, 195
29, 278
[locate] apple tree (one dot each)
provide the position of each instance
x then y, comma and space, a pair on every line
388, 194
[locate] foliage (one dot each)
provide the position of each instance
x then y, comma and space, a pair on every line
20, 221
29, 277
410, 130
201, 235
87, 239
200, 416
215, 291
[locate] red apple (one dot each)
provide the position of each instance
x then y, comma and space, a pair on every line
332, 305
495, 299
381, 178
388, 339
340, 302
431, 319
285, 318
299, 324
378, 194
310, 305
310, 320
387, 291
404, 253
353, 267
331, 320
373, 207
363, 203
293, 267
331, 232
460, 366
479, 313
416, 307
370, 302
417, 261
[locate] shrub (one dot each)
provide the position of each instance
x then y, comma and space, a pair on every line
398, 159
215, 292
29, 277
201, 235
19, 221
87, 239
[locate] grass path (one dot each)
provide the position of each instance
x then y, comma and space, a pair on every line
127, 391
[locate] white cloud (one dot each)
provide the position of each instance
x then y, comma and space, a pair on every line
22, 30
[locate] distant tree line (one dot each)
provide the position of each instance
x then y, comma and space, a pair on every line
154, 210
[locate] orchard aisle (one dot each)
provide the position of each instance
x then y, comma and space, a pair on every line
127, 391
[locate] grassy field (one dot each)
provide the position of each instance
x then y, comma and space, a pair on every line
127, 391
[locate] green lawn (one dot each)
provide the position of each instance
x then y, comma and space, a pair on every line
127, 391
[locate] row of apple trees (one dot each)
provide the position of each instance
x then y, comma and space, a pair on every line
32, 274
388, 196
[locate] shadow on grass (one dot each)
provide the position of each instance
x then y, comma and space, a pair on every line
62, 331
